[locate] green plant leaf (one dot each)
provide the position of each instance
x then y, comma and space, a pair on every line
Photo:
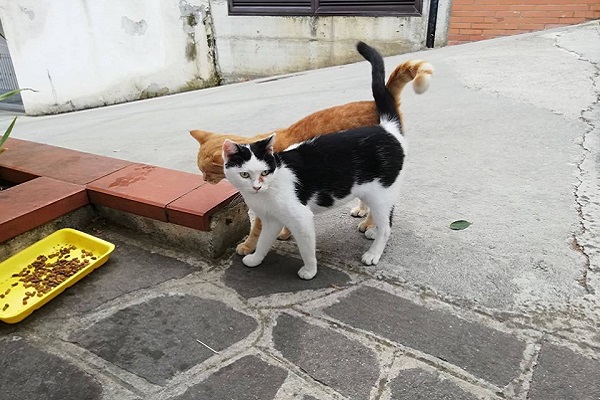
8, 94
12, 124
8, 131
13, 92
460, 225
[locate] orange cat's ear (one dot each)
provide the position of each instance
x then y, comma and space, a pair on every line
201, 136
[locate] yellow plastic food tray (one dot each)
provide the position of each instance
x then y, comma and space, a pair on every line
16, 310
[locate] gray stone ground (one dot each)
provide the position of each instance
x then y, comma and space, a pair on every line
507, 137
157, 323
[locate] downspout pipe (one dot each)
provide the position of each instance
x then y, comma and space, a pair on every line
431, 22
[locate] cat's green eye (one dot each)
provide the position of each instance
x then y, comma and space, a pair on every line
244, 175
265, 172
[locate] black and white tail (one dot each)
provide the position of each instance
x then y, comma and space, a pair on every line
384, 99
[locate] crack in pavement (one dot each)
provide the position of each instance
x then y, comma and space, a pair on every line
577, 192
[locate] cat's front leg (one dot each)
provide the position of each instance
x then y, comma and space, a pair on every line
270, 230
304, 232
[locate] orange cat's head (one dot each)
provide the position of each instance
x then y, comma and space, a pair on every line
210, 159
210, 155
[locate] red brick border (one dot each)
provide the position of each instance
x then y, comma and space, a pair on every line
59, 180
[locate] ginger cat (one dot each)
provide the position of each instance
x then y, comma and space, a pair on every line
334, 119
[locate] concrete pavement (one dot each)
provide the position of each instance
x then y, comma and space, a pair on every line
506, 137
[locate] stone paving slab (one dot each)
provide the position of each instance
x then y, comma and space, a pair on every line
29, 373
248, 378
489, 354
416, 384
564, 374
277, 274
329, 357
158, 338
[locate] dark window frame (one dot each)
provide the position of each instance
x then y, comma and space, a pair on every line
313, 8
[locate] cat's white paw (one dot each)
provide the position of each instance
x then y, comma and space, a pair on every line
370, 258
307, 273
252, 260
358, 211
371, 233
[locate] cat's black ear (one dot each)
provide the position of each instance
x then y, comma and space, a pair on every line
229, 149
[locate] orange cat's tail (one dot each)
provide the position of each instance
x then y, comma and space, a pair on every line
417, 71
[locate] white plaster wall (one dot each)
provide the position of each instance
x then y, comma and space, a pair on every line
252, 46
85, 53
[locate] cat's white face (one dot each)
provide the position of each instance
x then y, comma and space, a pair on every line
251, 177
250, 168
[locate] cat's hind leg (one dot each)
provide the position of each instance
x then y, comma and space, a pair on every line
371, 231
285, 234
367, 224
270, 230
360, 210
380, 210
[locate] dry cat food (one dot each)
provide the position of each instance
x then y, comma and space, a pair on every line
47, 272
45, 269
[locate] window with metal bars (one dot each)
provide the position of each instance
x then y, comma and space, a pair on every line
326, 7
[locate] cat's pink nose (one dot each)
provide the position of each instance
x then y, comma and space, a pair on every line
256, 188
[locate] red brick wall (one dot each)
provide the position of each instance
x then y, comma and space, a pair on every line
472, 20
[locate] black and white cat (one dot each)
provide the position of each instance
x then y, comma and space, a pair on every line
288, 188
